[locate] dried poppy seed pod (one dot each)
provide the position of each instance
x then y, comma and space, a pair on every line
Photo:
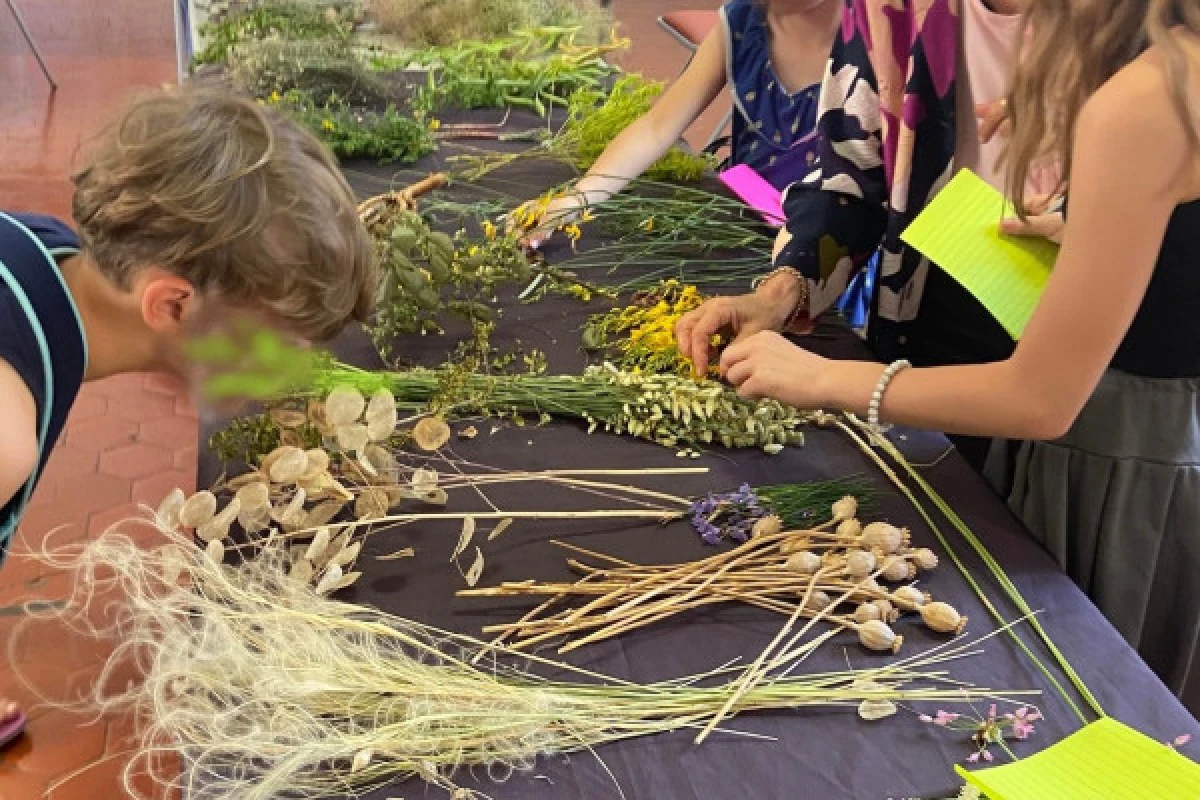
878, 636
887, 611
859, 564
909, 598
804, 562
897, 568
943, 618
795, 545
844, 509
924, 558
767, 526
850, 528
885, 536
818, 601
866, 613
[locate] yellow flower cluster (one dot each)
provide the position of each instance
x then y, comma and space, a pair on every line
643, 334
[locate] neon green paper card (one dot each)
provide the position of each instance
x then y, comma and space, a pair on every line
1105, 761
960, 232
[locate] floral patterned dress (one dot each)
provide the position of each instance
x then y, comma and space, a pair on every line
886, 129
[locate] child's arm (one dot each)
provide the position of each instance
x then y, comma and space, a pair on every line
1122, 196
18, 433
645, 141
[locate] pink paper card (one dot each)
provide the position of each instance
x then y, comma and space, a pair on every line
755, 192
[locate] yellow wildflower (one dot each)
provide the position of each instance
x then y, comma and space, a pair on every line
327, 124
473, 250
647, 224
489, 229
274, 98
435, 124
587, 215
573, 232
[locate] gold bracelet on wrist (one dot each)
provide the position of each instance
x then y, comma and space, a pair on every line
801, 307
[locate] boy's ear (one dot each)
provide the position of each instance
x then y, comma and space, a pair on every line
167, 301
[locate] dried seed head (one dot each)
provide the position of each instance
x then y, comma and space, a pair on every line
431, 434
804, 562
348, 554
291, 516
199, 509
818, 601
371, 504
352, 438
381, 415
897, 568
943, 618
253, 520
767, 526
323, 513
168, 511
218, 527
318, 546
886, 611
844, 509
850, 528
925, 558
382, 461
361, 760
215, 551
253, 497
859, 564
318, 463
867, 612
344, 406
424, 480
909, 598
172, 563
245, 479
287, 464
795, 544
302, 571
878, 636
329, 581
886, 537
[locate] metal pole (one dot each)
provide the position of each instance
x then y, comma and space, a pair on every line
32, 45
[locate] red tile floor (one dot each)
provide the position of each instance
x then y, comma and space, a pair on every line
130, 439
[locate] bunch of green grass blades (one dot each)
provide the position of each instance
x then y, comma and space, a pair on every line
269, 690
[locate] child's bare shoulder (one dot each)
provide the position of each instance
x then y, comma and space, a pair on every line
18, 432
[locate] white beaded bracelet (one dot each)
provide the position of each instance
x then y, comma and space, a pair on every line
881, 387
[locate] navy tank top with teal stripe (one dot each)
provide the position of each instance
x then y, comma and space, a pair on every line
41, 336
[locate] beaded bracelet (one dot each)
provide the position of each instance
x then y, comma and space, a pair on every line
877, 397
801, 307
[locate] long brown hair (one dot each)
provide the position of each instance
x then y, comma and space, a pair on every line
1075, 46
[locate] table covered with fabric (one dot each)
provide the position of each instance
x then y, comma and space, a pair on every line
814, 753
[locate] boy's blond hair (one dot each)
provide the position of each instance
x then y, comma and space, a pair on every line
234, 198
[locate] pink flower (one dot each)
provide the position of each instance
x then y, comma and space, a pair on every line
1022, 728
973, 758
1181, 740
925, 718
944, 718
992, 711
1028, 714
987, 756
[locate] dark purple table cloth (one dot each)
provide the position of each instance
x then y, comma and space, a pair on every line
827, 754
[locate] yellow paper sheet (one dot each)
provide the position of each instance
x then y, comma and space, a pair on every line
1105, 761
959, 231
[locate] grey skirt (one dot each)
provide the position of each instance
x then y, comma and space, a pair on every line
1117, 502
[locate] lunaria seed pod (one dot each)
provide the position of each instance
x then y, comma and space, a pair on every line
878, 636
897, 568
344, 406
818, 601
371, 504
885, 536
352, 438
318, 463
287, 464
253, 520
381, 415
199, 509
254, 496
943, 618
925, 558
909, 598
859, 564
851, 528
167, 514
805, 562
431, 434
867, 612
844, 509
767, 526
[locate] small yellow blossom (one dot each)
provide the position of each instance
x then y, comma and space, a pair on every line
647, 224
328, 124
573, 232
274, 98
435, 124
473, 250
587, 215
489, 229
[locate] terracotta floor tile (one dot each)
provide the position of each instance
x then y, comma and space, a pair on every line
67, 462
187, 458
143, 406
101, 433
153, 489
101, 521
58, 737
87, 405
175, 432
98, 492
61, 521
134, 460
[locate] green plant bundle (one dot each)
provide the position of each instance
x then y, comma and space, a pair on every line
596, 117
427, 273
281, 20
386, 136
438, 23
533, 69
797, 504
664, 409
316, 67
270, 690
